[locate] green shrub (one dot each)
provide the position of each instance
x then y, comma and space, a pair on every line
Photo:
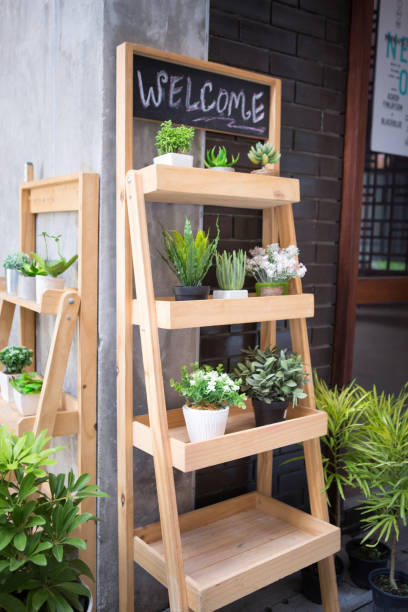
219, 160
171, 139
14, 358
231, 269
16, 261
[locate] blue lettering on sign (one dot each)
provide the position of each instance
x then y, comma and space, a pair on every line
403, 82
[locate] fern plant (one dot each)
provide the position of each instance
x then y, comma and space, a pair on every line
170, 139
189, 258
219, 160
230, 270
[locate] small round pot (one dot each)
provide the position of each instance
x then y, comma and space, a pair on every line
360, 567
174, 159
12, 281
26, 289
384, 601
43, 283
268, 289
186, 294
222, 168
205, 424
230, 294
265, 414
311, 582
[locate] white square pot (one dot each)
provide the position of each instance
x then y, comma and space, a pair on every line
43, 283
174, 159
230, 294
26, 288
6, 388
205, 424
26, 404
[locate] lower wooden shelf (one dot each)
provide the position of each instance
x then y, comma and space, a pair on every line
241, 439
66, 422
238, 546
49, 301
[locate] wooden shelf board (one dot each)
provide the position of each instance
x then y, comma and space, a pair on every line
66, 422
202, 313
49, 302
212, 188
241, 439
238, 546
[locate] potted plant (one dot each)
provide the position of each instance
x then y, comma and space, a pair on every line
272, 267
49, 270
26, 288
14, 359
264, 154
272, 379
230, 270
26, 392
220, 161
379, 460
12, 265
173, 144
39, 513
208, 393
189, 259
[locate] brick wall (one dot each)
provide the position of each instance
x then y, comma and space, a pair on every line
305, 43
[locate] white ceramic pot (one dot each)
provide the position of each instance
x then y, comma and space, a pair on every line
12, 281
26, 289
6, 388
26, 404
205, 424
43, 283
230, 294
174, 159
222, 168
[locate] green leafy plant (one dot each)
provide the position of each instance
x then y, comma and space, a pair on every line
271, 375
219, 160
378, 463
208, 388
37, 567
189, 258
14, 358
16, 261
52, 267
230, 269
27, 383
171, 139
31, 269
263, 153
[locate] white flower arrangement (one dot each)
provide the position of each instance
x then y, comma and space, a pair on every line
273, 264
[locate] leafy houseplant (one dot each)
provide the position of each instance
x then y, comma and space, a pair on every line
230, 269
26, 392
12, 265
272, 267
26, 288
14, 359
264, 154
173, 144
48, 270
272, 379
219, 161
189, 259
38, 572
208, 393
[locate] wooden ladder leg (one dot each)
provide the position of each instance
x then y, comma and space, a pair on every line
149, 335
27, 244
6, 320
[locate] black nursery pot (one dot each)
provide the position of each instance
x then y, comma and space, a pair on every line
265, 414
311, 583
360, 567
186, 294
387, 602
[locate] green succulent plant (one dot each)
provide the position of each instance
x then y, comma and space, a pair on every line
219, 160
263, 153
27, 383
31, 269
171, 139
16, 261
14, 358
52, 267
230, 269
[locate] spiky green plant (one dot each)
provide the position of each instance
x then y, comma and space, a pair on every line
171, 139
219, 160
189, 258
230, 270
263, 153
52, 267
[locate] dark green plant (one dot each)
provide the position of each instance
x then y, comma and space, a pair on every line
219, 160
52, 267
272, 375
37, 568
15, 261
15, 358
230, 269
263, 153
27, 383
171, 139
189, 258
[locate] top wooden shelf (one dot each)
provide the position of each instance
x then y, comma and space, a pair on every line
49, 302
214, 188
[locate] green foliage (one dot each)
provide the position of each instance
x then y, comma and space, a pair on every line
189, 258
16, 261
271, 375
263, 153
208, 387
27, 383
31, 269
220, 159
171, 139
231, 269
52, 267
14, 358
37, 571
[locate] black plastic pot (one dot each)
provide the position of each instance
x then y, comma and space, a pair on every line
265, 414
310, 580
360, 567
387, 602
186, 294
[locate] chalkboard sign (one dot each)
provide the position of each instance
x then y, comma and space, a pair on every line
199, 98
